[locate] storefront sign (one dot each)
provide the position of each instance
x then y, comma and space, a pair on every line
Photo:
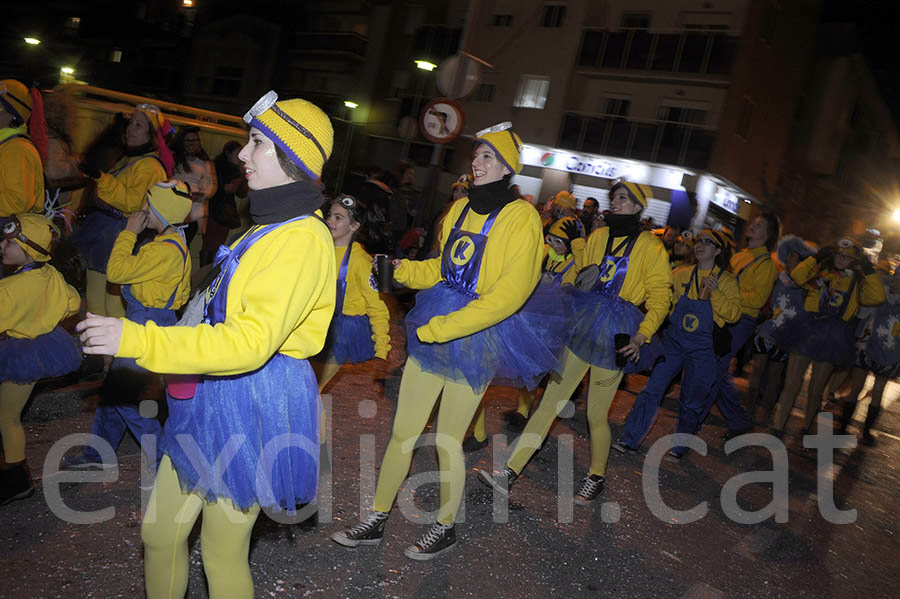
727, 200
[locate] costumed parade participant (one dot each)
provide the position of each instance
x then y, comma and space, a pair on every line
263, 314
465, 330
34, 299
704, 296
120, 193
23, 145
840, 279
155, 283
621, 267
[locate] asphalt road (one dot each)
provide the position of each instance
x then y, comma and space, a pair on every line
541, 546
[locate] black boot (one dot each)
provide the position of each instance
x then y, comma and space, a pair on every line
871, 417
15, 483
847, 409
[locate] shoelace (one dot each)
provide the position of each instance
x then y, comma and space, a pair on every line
365, 526
590, 487
433, 535
505, 474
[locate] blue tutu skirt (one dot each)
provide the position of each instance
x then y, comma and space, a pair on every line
262, 426
598, 319
826, 339
96, 237
349, 340
518, 351
30, 360
878, 368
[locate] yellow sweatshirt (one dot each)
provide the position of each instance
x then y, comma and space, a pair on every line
725, 300
869, 290
34, 302
281, 299
21, 174
649, 278
510, 269
155, 272
127, 190
361, 300
756, 281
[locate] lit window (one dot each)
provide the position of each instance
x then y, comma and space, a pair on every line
115, 55
73, 23
532, 92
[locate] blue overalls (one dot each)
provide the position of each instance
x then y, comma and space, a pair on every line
600, 314
349, 337
687, 344
112, 419
266, 420
825, 336
882, 352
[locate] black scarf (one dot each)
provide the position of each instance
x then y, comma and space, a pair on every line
284, 202
623, 225
139, 150
484, 199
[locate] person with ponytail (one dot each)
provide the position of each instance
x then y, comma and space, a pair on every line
156, 281
359, 330
704, 296
120, 193
619, 268
35, 299
265, 311
23, 149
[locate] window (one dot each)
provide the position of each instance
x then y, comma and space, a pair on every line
687, 116
746, 115
591, 46
485, 92
635, 20
532, 92
553, 15
73, 23
501, 20
115, 55
618, 107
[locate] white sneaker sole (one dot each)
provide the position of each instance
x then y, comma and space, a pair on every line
424, 557
341, 539
488, 479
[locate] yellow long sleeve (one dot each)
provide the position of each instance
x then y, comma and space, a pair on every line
509, 271
649, 276
155, 272
276, 303
21, 177
360, 299
34, 302
870, 291
725, 300
127, 190
756, 281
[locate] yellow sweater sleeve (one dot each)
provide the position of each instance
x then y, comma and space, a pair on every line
871, 292
274, 305
361, 299
21, 178
510, 269
757, 281
127, 190
34, 302
726, 300
154, 273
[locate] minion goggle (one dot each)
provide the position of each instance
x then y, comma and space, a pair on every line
351, 204
267, 102
12, 230
847, 247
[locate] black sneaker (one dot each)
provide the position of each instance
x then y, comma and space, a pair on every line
15, 483
439, 539
472, 444
732, 434
591, 487
499, 481
515, 421
867, 438
622, 448
369, 532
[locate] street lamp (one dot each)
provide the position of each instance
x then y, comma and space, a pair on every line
32, 41
897, 215
350, 104
67, 70
425, 65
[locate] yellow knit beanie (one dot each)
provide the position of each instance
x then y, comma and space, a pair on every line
506, 144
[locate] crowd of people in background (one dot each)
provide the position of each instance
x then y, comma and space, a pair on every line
505, 293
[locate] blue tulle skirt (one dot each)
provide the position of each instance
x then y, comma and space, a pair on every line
349, 339
879, 368
96, 237
263, 426
30, 360
825, 339
518, 351
598, 319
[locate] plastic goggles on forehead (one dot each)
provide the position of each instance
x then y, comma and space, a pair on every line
151, 108
845, 244
267, 102
350, 202
13, 230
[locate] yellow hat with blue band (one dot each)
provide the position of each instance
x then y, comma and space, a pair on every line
298, 127
638, 192
506, 145
32, 232
564, 199
170, 202
849, 246
16, 99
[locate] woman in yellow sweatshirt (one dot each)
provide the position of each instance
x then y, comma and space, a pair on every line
34, 299
704, 295
359, 330
22, 130
621, 267
248, 437
465, 329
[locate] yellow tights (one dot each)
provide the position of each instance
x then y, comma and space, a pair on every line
13, 398
523, 407
602, 390
419, 391
224, 541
